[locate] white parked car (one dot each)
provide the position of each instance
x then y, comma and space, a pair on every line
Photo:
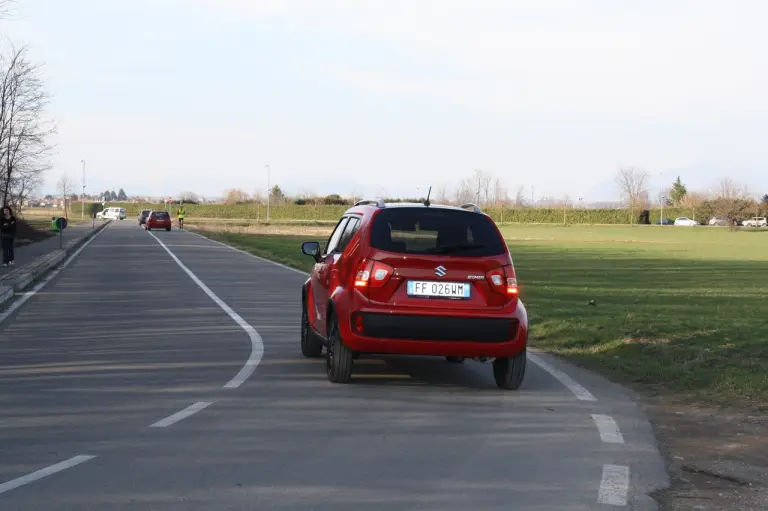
756, 221
686, 222
716, 220
113, 213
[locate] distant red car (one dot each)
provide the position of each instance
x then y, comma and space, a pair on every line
158, 220
414, 279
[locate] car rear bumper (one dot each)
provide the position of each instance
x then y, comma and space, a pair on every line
376, 331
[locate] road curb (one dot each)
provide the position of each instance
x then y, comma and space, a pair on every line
16, 281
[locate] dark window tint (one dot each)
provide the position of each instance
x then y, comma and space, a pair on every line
434, 231
349, 231
160, 214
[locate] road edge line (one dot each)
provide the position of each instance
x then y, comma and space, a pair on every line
182, 414
257, 343
578, 390
614, 486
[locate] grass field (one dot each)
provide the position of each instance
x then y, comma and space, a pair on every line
677, 309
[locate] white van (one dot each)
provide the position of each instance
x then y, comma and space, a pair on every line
113, 213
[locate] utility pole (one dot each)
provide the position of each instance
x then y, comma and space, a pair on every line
269, 190
82, 199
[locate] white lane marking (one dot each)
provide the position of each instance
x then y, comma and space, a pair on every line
183, 414
34, 476
295, 270
257, 344
23, 297
580, 392
614, 485
609, 430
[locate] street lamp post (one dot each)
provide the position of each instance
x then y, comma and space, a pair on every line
269, 191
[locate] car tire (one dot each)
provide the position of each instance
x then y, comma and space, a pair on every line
311, 345
455, 360
149, 228
509, 371
168, 229
338, 358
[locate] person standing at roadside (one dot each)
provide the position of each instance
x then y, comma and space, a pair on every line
7, 235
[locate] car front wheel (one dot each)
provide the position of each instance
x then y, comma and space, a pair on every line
509, 371
338, 358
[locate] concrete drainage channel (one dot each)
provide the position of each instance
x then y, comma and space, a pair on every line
16, 281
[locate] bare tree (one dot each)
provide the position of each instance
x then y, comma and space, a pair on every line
728, 189
189, 197
466, 191
65, 187
633, 184
24, 130
236, 195
5, 8
520, 197
441, 194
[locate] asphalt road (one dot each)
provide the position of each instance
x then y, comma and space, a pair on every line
124, 337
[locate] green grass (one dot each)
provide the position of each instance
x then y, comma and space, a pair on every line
678, 310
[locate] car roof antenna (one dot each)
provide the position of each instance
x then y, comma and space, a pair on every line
426, 201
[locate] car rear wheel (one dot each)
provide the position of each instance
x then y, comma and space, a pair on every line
168, 229
509, 371
311, 346
455, 360
338, 358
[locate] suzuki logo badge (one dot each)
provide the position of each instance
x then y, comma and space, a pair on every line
440, 271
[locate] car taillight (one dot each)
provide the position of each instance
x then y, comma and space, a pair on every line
372, 273
503, 280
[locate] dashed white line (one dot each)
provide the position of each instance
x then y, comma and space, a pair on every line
614, 485
23, 297
257, 344
34, 476
580, 392
183, 414
609, 430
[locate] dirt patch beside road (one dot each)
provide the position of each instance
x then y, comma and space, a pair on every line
717, 458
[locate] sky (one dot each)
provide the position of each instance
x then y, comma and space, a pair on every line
387, 97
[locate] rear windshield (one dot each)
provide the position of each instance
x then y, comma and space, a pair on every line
435, 231
160, 214
144, 211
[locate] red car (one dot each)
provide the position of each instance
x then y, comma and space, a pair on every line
414, 279
158, 220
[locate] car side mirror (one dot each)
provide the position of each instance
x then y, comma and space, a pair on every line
311, 248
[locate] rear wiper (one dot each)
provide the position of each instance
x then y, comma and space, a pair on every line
446, 249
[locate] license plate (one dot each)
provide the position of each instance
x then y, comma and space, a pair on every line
431, 289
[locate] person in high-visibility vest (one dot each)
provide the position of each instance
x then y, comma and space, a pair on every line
180, 213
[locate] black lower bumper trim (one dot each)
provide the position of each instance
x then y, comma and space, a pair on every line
439, 328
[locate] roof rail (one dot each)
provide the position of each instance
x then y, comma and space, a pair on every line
379, 203
471, 207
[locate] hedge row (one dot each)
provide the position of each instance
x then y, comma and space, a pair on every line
330, 213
